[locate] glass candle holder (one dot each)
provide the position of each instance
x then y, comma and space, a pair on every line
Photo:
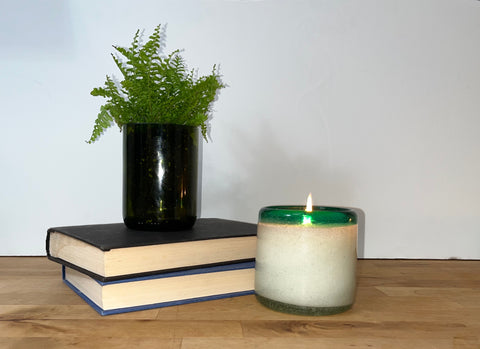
306, 261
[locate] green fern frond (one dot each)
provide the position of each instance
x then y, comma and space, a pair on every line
152, 47
103, 121
155, 88
136, 41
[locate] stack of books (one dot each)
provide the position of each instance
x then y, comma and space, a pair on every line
116, 269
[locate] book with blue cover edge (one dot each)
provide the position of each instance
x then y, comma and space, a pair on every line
218, 268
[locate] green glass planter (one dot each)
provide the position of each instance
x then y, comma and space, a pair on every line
160, 176
306, 261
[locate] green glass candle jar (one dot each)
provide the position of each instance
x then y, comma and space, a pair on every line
306, 261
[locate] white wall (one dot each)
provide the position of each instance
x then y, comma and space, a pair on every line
373, 104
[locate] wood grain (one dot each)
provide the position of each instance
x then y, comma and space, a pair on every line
399, 304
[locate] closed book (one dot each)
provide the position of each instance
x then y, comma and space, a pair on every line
112, 251
162, 290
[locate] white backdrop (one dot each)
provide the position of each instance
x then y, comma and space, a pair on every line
373, 104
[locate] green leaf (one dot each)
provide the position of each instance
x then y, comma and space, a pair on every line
155, 89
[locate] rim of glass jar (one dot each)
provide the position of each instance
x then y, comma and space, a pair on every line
296, 215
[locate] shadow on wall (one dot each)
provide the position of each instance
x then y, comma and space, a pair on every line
361, 231
268, 170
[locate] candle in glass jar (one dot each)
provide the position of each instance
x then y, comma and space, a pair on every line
306, 259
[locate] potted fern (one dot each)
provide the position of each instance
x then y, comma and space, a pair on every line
160, 107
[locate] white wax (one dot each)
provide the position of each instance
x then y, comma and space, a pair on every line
306, 265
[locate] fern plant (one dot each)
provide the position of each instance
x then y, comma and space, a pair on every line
155, 89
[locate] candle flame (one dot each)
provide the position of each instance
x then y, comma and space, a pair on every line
309, 207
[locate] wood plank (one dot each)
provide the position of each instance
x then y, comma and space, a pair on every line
59, 312
89, 343
302, 343
106, 327
362, 329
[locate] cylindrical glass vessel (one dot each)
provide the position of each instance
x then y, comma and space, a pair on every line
160, 176
306, 261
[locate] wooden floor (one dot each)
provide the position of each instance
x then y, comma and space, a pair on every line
400, 304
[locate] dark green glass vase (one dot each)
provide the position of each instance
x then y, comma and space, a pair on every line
160, 176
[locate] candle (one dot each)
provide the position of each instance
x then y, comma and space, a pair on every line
306, 259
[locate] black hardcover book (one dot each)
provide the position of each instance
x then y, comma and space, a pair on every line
112, 251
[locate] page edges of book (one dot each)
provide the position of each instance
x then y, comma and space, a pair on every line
180, 289
172, 303
76, 252
86, 287
151, 258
